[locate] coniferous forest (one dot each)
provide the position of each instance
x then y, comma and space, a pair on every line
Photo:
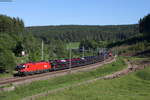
76, 33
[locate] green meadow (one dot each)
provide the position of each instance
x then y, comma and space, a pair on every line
73, 45
134, 86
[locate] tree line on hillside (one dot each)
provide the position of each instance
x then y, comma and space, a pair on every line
10, 28
144, 24
8, 24
91, 37
144, 30
139, 44
77, 33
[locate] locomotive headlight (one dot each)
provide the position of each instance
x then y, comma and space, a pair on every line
23, 66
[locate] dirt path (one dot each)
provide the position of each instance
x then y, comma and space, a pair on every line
122, 72
130, 68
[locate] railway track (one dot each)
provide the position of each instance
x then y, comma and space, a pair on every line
27, 79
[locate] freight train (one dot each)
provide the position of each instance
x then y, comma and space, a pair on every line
53, 65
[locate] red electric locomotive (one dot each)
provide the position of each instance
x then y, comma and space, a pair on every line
33, 67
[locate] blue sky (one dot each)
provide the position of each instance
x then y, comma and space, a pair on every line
76, 12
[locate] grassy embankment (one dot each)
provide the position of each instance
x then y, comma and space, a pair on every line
62, 81
135, 86
5, 75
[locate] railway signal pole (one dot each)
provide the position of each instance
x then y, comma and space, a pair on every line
70, 57
83, 52
42, 52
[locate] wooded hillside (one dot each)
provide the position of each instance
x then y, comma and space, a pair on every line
76, 33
